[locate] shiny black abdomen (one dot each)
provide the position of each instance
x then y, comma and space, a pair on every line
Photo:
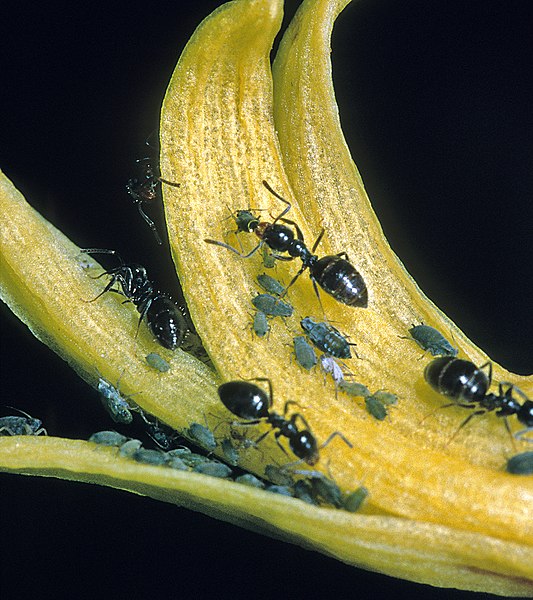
338, 277
456, 378
166, 322
245, 399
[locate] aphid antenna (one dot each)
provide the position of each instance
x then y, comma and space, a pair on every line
19, 411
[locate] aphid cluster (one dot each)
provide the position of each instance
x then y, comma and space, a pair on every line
334, 274
165, 319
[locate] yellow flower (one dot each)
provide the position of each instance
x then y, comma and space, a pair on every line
444, 514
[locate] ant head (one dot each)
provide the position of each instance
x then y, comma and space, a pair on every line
304, 446
525, 413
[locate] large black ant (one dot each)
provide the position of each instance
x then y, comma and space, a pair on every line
165, 319
144, 188
467, 385
248, 401
334, 274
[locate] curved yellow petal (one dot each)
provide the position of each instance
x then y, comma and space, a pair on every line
438, 512
403, 548
47, 283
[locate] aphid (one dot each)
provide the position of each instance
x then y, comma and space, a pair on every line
26, 425
521, 464
251, 480
385, 397
330, 365
304, 352
376, 408
156, 362
468, 385
214, 469
334, 274
282, 490
165, 319
269, 260
303, 490
352, 388
327, 338
270, 285
108, 438
129, 448
353, 501
149, 457
260, 324
202, 436
248, 401
274, 307
432, 340
174, 462
115, 404
278, 475
231, 454
144, 188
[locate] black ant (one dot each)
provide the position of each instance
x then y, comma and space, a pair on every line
248, 401
467, 385
334, 274
144, 189
165, 319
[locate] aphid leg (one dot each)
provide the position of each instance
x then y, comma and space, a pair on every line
150, 223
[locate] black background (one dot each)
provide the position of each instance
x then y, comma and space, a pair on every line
435, 100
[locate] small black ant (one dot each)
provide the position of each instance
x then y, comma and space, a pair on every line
165, 319
248, 401
334, 274
467, 385
144, 189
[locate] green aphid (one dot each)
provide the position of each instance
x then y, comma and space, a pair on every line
376, 408
156, 362
353, 501
270, 285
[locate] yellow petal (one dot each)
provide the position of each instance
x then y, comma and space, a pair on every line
442, 513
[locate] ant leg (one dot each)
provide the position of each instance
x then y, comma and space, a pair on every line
150, 223
512, 387
317, 241
102, 251
343, 255
270, 390
293, 280
466, 421
507, 426
318, 298
107, 288
167, 182
289, 205
333, 435
277, 435
287, 404
228, 247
